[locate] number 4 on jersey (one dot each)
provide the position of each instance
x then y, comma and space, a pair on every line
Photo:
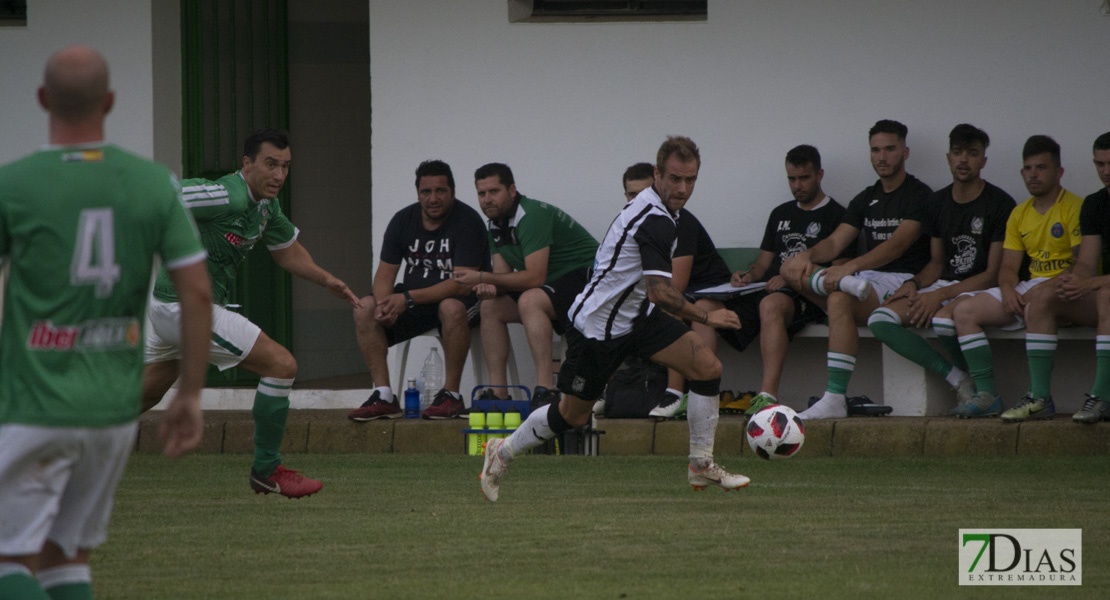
94, 254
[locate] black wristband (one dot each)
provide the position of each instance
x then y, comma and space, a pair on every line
916, 285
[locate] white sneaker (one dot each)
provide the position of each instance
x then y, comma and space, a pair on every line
493, 469
828, 407
855, 286
715, 474
668, 407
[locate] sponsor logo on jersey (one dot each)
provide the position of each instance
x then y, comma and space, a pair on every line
1057, 230
234, 240
977, 226
83, 156
95, 334
813, 230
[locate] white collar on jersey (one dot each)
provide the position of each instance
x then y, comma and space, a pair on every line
827, 199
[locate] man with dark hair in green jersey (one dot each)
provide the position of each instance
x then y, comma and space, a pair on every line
234, 213
81, 222
541, 261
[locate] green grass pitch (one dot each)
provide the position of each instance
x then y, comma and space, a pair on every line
417, 526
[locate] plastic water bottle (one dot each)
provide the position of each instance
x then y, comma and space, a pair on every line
433, 376
412, 401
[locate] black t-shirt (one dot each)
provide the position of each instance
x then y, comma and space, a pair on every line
430, 256
968, 230
792, 230
877, 214
1094, 219
709, 268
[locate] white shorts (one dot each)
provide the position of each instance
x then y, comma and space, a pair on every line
233, 335
57, 484
884, 284
938, 284
1021, 288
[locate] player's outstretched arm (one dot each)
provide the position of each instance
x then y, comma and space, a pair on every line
661, 293
296, 259
183, 424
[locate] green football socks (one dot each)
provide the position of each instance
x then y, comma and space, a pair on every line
17, 583
1040, 349
67, 582
946, 335
887, 327
271, 409
840, 372
1101, 388
977, 350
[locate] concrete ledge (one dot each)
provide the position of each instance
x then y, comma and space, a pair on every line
819, 440
418, 436
672, 438
969, 437
893, 436
1060, 436
333, 436
625, 437
730, 436
329, 431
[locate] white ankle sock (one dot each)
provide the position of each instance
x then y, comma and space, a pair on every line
855, 286
830, 406
386, 392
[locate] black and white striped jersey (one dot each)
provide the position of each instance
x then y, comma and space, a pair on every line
640, 242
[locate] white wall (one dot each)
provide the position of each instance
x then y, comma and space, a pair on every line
120, 30
569, 106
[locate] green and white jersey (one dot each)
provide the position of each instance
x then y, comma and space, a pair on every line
231, 222
82, 226
535, 225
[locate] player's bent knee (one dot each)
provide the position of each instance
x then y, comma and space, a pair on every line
284, 367
452, 311
839, 301
706, 368
1103, 300
774, 310
366, 311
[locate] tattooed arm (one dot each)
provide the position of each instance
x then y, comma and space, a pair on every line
666, 297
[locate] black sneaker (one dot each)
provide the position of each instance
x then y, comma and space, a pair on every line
542, 396
489, 394
444, 406
376, 408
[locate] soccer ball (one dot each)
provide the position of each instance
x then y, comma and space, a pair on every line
776, 432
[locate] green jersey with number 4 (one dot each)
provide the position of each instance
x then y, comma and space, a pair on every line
231, 222
81, 227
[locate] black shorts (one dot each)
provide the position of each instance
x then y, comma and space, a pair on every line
590, 363
747, 308
562, 293
425, 317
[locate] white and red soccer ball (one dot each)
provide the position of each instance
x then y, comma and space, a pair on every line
776, 432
